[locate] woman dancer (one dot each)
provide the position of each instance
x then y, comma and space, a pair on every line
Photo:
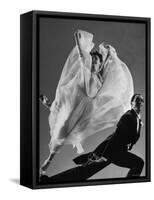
84, 86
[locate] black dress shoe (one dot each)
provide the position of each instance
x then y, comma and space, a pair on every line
82, 159
44, 179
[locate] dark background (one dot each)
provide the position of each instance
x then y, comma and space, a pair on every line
56, 42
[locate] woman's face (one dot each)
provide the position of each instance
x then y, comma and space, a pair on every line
96, 63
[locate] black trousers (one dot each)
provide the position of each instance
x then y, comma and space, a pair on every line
128, 160
122, 158
119, 157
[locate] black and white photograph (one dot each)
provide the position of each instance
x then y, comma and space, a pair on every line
92, 100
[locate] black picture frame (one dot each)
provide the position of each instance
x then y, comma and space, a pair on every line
29, 95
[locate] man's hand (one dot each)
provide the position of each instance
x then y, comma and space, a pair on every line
141, 124
45, 101
129, 147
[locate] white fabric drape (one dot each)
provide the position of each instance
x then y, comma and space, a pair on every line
83, 105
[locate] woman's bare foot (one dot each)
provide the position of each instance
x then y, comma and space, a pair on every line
42, 172
44, 167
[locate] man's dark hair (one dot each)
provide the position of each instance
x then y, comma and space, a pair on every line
134, 96
96, 53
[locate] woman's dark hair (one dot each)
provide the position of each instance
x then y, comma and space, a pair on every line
96, 53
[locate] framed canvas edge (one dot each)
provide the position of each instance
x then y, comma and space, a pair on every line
35, 107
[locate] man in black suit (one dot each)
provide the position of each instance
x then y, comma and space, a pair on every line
115, 149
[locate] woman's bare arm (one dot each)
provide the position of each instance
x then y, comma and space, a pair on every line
100, 78
87, 75
77, 35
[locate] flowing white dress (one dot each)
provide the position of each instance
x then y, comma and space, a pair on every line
83, 105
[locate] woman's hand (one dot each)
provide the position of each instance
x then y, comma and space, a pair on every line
77, 41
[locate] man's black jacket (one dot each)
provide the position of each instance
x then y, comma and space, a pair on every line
125, 134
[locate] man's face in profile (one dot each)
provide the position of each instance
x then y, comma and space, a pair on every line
138, 102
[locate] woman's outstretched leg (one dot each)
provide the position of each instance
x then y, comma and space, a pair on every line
47, 162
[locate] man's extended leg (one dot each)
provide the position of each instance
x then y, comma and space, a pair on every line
129, 160
98, 152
